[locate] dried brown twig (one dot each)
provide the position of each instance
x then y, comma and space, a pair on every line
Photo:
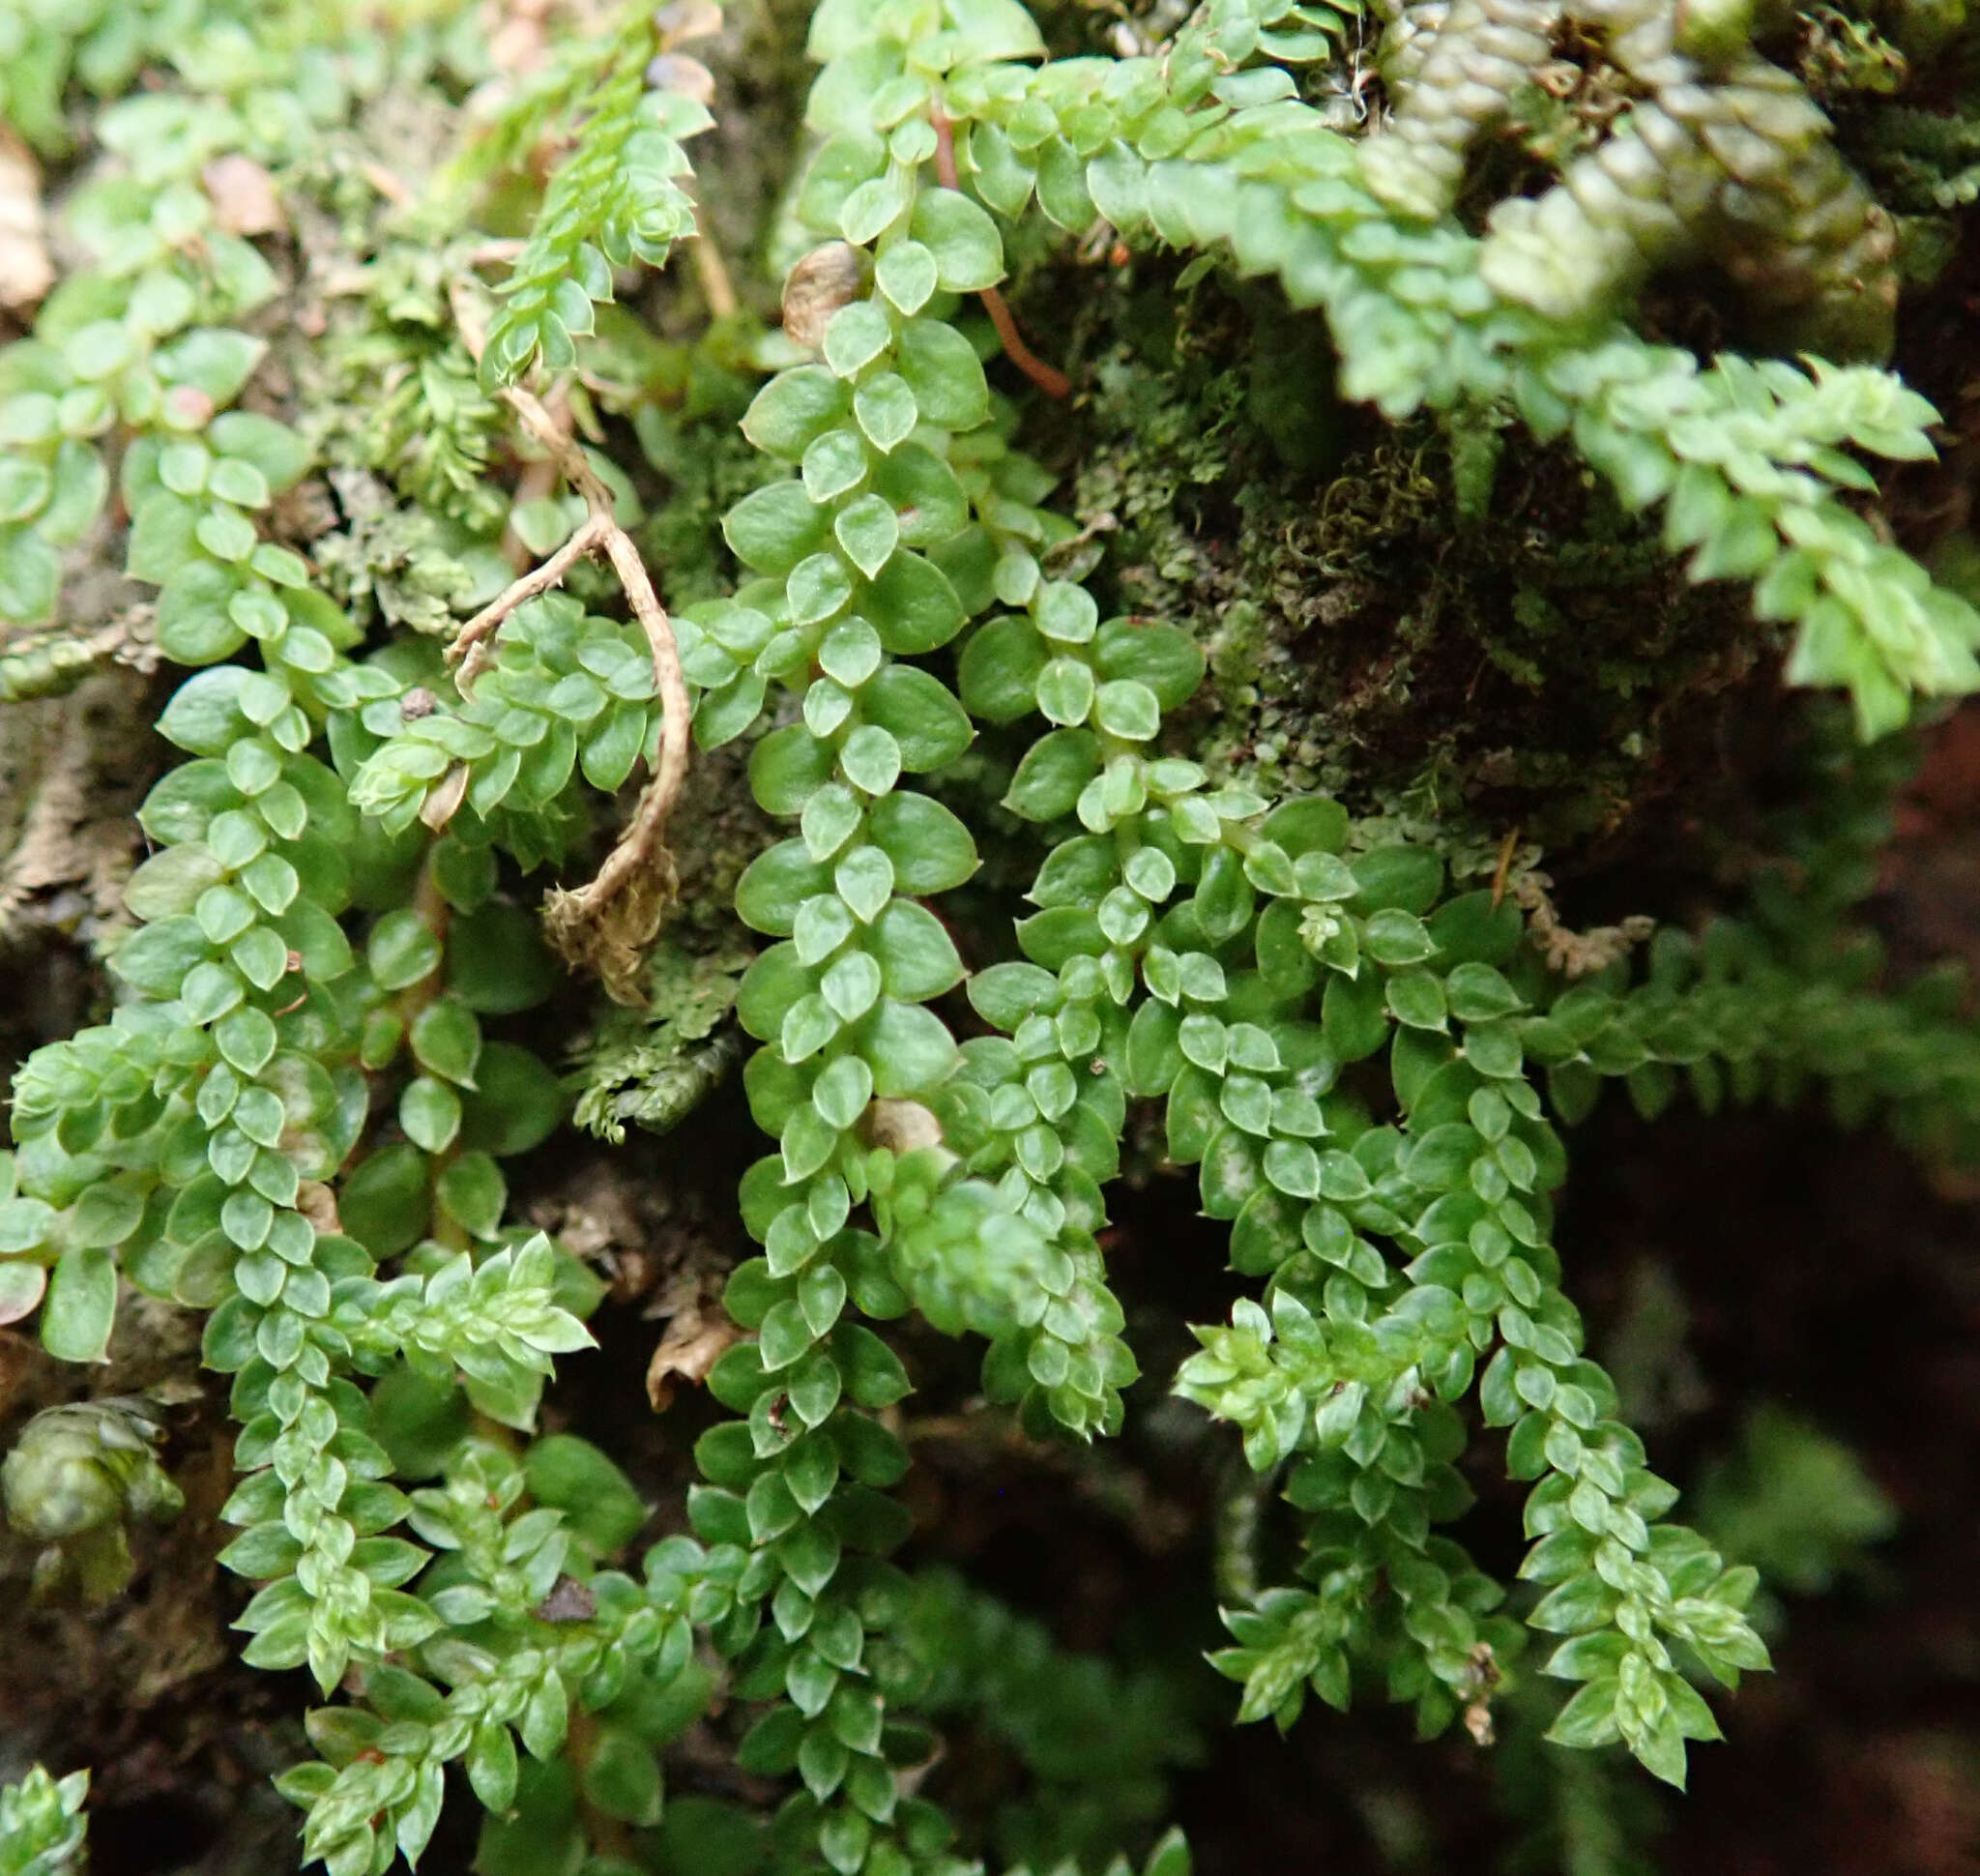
1575, 954
606, 924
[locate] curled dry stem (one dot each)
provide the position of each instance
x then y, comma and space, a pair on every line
605, 925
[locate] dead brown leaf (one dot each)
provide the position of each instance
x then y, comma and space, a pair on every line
695, 1337
518, 35
318, 1204
676, 71
243, 197
26, 272
687, 19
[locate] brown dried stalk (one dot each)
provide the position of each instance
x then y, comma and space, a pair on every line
606, 924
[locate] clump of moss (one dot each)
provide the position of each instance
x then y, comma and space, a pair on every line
1454, 624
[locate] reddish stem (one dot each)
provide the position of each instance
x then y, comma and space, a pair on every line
1049, 379
1052, 382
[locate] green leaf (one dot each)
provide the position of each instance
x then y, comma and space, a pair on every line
931, 850
1164, 657
795, 409
836, 464
1407, 879
924, 491
597, 1499
516, 1102
775, 980
1354, 1015
1054, 771
157, 959
80, 1307
169, 884
1224, 897
1264, 1233
1472, 928
446, 1040
545, 1718
402, 951
771, 529
789, 765
1230, 1173
473, 1192
204, 716
1416, 998
1155, 1058
1478, 993
277, 452
999, 670
1005, 994
907, 274
908, 1049
1063, 932
997, 29
430, 1113
944, 372
1127, 709
856, 335
622, 1777
1286, 967
80, 484
492, 1767
25, 1225
217, 362
384, 1203
1066, 691
916, 709
1588, 1719
917, 958
774, 884
913, 605
497, 962
870, 531
870, 759
962, 239
107, 1214
24, 486
194, 624
864, 879
886, 410
164, 539
1393, 937
30, 576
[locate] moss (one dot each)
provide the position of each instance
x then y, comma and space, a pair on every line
1461, 626
654, 1067
707, 465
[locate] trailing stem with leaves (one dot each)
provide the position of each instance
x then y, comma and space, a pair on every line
330, 1003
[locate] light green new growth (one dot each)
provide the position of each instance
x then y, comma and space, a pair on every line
1725, 157
72, 1478
41, 1825
615, 201
294, 1117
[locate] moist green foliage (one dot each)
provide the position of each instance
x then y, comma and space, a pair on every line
614, 202
653, 1066
41, 1826
1361, 642
72, 1477
1725, 156
1795, 1502
1098, 1738
295, 1118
